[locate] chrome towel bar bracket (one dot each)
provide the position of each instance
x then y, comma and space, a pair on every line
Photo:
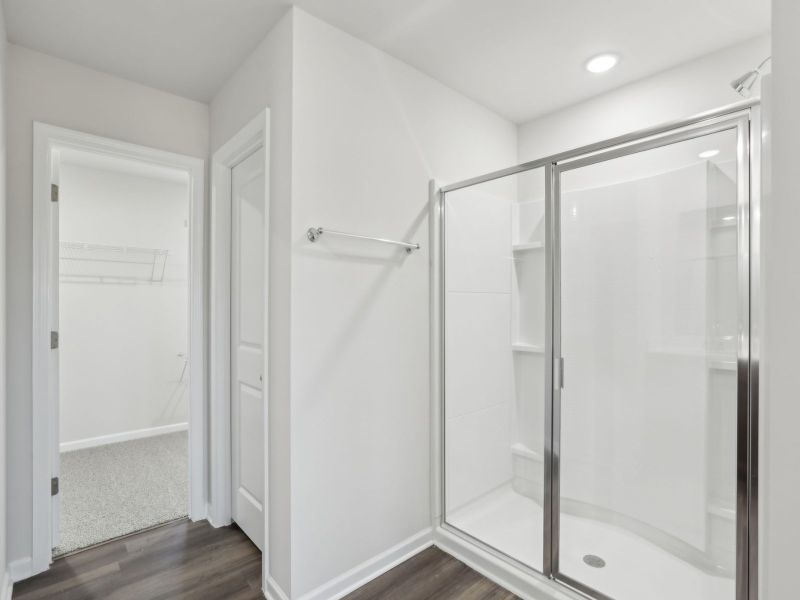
314, 233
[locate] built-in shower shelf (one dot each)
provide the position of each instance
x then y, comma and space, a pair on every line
520, 449
529, 348
724, 222
722, 511
527, 247
722, 364
718, 362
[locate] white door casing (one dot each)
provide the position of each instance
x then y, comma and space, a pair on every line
53, 383
247, 344
48, 140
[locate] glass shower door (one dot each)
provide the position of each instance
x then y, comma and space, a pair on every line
652, 320
494, 295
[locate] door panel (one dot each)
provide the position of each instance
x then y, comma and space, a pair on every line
649, 330
247, 345
495, 363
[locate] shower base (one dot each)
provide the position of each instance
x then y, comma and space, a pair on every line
512, 524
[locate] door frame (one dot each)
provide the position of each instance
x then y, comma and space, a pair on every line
255, 134
48, 140
505, 570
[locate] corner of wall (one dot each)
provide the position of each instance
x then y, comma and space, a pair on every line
265, 80
369, 132
646, 102
5, 579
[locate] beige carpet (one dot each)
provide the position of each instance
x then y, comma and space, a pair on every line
112, 490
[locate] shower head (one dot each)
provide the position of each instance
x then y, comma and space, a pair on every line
744, 84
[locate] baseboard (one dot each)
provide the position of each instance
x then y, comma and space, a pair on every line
6, 587
20, 569
214, 523
124, 436
523, 583
367, 571
274, 591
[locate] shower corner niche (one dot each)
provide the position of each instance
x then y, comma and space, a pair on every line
528, 341
528, 276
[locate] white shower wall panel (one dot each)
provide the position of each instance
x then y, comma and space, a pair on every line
479, 386
478, 237
636, 370
479, 365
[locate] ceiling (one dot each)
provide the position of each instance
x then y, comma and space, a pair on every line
187, 47
521, 58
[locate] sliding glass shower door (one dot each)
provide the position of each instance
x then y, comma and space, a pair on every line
652, 319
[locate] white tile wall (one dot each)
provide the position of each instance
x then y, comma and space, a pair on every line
478, 241
478, 453
479, 362
478, 359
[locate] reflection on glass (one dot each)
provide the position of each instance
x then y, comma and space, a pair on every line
648, 413
494, 363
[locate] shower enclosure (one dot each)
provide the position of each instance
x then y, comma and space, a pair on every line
597, 414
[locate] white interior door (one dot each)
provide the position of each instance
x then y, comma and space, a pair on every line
247, 344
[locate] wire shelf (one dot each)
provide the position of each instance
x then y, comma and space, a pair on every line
103, 262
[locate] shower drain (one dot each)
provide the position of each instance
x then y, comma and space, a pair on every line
594, 561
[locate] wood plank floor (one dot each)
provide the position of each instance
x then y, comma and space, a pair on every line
194, 560
430, 575
181, 560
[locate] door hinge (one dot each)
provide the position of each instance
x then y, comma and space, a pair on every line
54, 192
54, 486
53, 340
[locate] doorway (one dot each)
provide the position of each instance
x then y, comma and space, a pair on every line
118, 369
123, 347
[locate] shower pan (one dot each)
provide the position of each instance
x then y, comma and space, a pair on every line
596, 365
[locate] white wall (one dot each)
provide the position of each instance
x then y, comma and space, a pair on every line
120, 335
679, 92
265, 80
60, 93
780, 481
369, 132
355, 137
3, 397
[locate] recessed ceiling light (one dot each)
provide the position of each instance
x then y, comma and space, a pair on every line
708, 154
602, 63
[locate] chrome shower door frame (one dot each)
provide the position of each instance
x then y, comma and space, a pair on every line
744, 117
746, 446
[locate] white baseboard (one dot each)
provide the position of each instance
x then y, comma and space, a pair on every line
20, 569
274, 591
6, 587
214, 523
121, 437
367, 571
